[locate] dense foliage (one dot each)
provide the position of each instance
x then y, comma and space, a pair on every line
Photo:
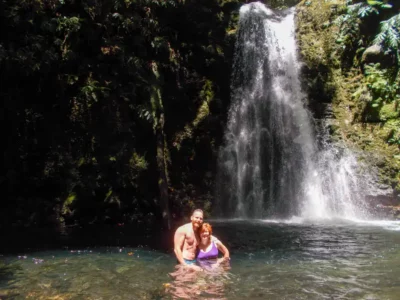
113, 109
356, 34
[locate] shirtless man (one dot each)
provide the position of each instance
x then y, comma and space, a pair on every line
186, 239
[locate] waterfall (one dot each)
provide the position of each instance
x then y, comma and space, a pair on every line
270, 164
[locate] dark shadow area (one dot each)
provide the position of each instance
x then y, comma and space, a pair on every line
39, 239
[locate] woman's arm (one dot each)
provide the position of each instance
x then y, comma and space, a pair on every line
221, 247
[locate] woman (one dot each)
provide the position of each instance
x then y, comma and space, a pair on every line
210, 246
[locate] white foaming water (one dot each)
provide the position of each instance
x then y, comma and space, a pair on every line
389, 225
270, 165
304, 221
385, 224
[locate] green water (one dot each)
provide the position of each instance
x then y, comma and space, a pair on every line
282, 260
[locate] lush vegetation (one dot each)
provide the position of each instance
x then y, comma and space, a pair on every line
355, 65
113, 109
356, 35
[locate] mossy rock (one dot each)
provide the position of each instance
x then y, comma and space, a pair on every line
372, 54
388, 112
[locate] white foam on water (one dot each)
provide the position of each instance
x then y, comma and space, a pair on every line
386, 224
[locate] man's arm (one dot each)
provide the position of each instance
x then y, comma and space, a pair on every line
179, 239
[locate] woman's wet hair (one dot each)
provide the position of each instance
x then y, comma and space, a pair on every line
206, 226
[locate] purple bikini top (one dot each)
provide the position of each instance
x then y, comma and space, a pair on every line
212, 253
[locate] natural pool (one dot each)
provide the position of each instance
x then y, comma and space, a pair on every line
270, 260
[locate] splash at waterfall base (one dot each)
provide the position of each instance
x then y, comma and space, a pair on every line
279, 159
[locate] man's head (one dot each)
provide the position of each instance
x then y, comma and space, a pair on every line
197, 218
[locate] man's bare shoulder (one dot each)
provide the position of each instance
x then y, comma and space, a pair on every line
184, 228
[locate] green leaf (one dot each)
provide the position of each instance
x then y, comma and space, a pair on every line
81, 161
108, 194
94, 96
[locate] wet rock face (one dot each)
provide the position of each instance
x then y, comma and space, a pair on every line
387, 212
380, 198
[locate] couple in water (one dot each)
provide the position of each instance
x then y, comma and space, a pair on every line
196, 249
194, 242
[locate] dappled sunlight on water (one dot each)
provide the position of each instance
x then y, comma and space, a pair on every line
114, 273
269, 261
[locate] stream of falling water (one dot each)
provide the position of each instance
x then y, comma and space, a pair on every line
270, 164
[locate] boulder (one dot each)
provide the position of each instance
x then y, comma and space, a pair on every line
372, 54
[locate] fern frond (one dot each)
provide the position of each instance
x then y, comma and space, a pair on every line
364, 11
385, 25
380, 38
351, 9
340, 20
393, 38
394, 21
389, 34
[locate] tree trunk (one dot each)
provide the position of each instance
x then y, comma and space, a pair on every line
162, 168
158, 116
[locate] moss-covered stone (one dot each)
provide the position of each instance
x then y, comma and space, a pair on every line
388, 111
